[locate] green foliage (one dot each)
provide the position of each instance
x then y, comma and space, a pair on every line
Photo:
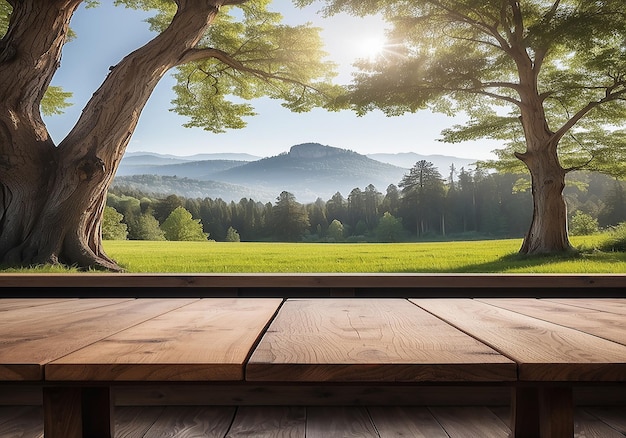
616, 239
583, 224
5, 13
481, 58
389, 229
55, 100
112, 226
146, 227
232, 235
291, 219
251, 55
180, 225
335, 231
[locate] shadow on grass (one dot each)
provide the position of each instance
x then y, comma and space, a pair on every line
512, 262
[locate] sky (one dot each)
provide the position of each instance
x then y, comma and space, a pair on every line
107, 33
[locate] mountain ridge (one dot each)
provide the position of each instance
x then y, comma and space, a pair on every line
308, 170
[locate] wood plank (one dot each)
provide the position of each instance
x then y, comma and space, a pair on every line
313, 280
609, 305
24, 422
7, 304
396, 421
33, 337
543, 351
269, 422
134, 422
588, 426
208, 340
470, 422
339, 422
192, 422
62, 409
602, 324
370, 340
614, 416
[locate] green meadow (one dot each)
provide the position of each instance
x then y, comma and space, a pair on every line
484, 256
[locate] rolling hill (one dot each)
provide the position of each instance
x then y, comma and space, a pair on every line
308, 170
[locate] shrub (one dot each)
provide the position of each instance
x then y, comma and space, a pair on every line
583, 224
616, 239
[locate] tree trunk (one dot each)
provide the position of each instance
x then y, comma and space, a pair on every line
52, 198
548, 230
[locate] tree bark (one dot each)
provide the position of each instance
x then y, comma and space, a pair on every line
548, 230
52, 198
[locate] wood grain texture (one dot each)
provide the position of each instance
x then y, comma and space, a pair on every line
396, 422
21, 422
609, 305
543, 351
192, 422
207, 340
62, 409
269, 422
369, 340
7, 304
598, 323
134, 422
35, 336
614, 416
470, 422
588, 426
339, 422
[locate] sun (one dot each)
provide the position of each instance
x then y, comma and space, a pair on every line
371, 47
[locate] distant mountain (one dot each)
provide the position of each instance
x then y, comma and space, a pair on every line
157, 185
197, 157
311, 170
201, 170
308, 170
441, 162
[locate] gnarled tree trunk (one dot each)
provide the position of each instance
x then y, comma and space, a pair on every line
52, 197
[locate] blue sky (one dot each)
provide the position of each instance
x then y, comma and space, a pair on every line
107, 33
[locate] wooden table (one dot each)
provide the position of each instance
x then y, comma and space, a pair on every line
79, 349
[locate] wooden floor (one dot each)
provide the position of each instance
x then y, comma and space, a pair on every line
316, 422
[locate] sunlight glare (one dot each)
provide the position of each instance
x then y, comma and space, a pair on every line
371, 47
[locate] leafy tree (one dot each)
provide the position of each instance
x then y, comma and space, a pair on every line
146, 227
389, 229
582, 224
232, 235
556, 69
180, 225
335, 231
112, 226
52, 196
290, 218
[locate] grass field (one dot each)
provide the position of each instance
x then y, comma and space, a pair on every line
472, 257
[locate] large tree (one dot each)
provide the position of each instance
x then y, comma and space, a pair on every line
52, 196
548, 78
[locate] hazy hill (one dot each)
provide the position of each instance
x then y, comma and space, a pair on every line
157, 185
201, 170
308, 170
197, 157
312, 170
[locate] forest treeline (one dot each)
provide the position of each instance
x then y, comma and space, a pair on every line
422, 206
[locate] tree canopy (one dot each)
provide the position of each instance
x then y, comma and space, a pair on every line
226, 52
547, 78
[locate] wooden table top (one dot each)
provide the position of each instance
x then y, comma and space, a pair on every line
313, 340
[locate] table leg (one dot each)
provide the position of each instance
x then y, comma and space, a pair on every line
73, 412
